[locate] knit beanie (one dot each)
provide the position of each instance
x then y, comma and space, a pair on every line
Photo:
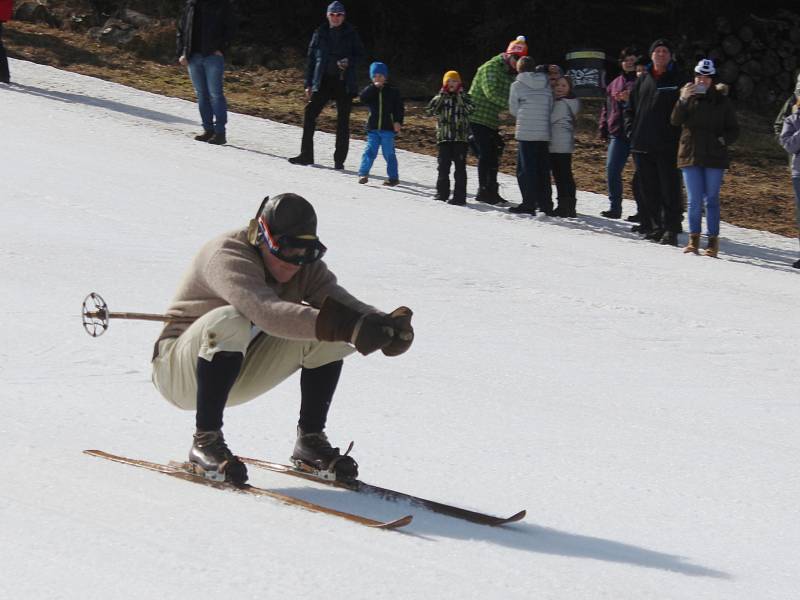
661, 42
335, 7
518, 47
451, 75
378, 68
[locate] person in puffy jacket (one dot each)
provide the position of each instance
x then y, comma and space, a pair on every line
385, 121
708, 127
6, 8
790, 140
562, 144
530, 102
452, 106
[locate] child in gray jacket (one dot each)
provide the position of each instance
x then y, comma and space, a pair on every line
562, 144
530, 102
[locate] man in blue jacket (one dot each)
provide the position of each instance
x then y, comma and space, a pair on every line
333, 56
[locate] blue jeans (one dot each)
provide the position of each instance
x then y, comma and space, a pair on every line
796, 185
383, 139
206, 73
703, 184
618, 151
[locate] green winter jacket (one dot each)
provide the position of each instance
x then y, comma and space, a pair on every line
489, 92
708, 126
452, 111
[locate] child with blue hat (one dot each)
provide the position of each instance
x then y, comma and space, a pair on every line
385, 121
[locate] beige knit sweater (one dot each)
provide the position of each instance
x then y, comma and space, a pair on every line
229, 271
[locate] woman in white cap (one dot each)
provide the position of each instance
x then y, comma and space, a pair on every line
708, 126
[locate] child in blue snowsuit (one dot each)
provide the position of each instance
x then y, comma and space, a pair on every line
384, 123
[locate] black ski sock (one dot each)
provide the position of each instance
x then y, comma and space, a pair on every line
317, 387
215, 378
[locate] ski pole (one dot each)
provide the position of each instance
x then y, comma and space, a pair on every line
96, 315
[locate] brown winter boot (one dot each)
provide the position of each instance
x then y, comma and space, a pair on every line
713, 246
693, 245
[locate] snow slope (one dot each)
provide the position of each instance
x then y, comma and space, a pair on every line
642, 404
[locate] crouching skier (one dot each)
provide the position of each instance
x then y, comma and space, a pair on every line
266, 306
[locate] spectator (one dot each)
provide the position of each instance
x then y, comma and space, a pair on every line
790, 140
654, 143
6, 7
489, 92
334, 54
531, 102
266, 307
452, 105
787, 109
384, 122
205, 31
562, 144
612, 129
709, 127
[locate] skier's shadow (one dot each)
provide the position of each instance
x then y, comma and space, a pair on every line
523, 536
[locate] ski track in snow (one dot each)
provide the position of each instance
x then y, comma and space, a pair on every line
641, 404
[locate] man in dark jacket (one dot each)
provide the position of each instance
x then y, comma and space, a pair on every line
333, 56
654, 144
205, 31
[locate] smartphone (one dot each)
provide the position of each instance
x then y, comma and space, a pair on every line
699, 88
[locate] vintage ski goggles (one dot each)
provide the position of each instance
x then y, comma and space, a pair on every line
294, 249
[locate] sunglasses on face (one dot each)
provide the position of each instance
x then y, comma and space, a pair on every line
291, 249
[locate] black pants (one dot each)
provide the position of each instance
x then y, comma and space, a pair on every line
561, 167
452, 153
489, 145
660, 182
5, 77
533, 175
331, 88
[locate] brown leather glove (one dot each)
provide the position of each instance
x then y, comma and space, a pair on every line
403, 331
338, 322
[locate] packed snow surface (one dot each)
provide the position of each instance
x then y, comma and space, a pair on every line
640, 403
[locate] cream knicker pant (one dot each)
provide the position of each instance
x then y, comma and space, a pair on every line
268, 360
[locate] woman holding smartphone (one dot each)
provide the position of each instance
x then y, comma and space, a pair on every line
708, 126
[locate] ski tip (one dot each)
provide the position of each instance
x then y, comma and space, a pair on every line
401, 522
517, 517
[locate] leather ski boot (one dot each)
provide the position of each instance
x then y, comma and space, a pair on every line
315, 451
213, 460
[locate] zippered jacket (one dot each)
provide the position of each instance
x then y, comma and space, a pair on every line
648, 111
385, 106
213, 21
708, 127
612, 123
320, 53
530, 101
562, 125
790, 140
452, 111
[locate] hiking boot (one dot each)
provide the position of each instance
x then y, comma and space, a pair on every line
484, 195
301, 160
670, 238
391, 182
215, 461
693, 247
523, 209
611, 214
315, 451
712, 249
634, 218
339, 166
218, 139
363, 179
205, 136
457, 201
